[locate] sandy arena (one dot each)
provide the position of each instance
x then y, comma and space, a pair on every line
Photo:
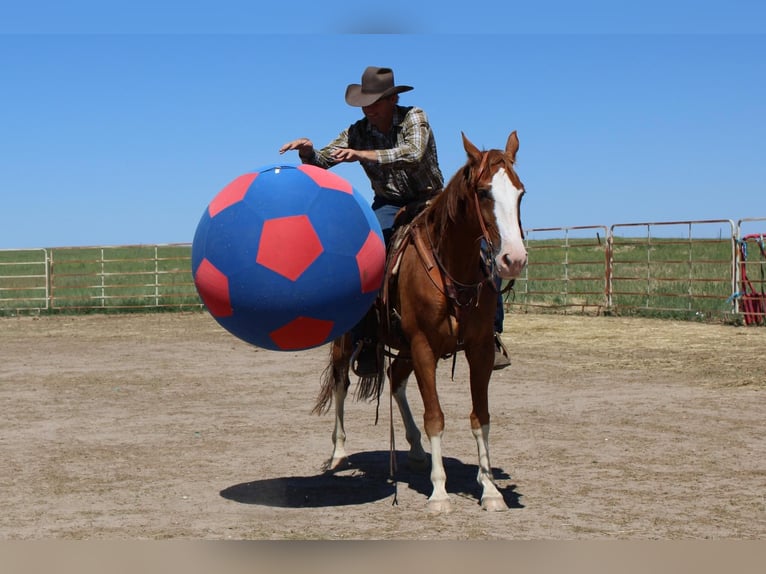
164, 426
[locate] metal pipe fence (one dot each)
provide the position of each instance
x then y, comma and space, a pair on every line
80, 279
686, 269
692, 269
24, 279
567, 269
682, 266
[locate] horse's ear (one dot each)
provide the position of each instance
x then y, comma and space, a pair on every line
512, 146
474, 155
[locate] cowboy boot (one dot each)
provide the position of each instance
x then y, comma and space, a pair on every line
502, 358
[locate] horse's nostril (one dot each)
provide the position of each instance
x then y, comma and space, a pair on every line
511, 261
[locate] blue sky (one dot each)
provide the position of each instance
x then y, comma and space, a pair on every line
119, 125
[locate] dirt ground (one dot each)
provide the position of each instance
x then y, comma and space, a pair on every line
164, 426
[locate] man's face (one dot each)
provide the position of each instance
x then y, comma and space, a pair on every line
380, 113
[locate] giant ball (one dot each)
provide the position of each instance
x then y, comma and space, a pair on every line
288, 257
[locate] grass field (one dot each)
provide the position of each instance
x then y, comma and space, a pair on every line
672, 277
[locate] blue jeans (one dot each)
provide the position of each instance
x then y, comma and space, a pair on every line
499, 311
386, 213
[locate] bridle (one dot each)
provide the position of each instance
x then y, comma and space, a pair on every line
465, 294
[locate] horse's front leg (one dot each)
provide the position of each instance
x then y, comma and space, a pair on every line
491, 499
398, 373
480, 363
424, 363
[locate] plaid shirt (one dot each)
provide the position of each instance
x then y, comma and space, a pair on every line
407, 166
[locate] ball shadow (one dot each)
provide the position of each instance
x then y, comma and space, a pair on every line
364, 478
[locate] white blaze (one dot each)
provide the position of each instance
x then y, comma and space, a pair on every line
512, 256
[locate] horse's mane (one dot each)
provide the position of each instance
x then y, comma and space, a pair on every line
451, 202
446, 206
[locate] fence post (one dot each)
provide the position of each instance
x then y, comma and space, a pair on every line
608, 265
103, 279
47, 265
51, 271
156, 277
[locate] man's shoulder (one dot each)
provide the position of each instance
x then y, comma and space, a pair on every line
405, 110
411, 114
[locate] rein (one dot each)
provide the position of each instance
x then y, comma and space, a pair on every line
454, 289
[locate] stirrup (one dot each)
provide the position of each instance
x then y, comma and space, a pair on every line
364, 360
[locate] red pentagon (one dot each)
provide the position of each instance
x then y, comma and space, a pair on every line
288, 245
326, 179
302, 333
371, 261
213, 287
231, 194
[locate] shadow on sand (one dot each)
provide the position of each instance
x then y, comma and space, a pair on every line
365, 478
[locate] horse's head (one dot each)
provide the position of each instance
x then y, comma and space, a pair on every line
499, 191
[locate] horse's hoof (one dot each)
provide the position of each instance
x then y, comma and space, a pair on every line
493, 504
334, 464
442, 506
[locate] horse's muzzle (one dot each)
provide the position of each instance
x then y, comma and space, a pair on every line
510, 264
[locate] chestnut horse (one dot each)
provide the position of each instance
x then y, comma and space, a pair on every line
439, 298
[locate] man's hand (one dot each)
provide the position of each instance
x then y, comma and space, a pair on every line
303, 145
348, 155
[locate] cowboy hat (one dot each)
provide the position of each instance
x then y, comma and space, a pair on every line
376, 83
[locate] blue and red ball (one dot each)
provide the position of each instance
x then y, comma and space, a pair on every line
288, 257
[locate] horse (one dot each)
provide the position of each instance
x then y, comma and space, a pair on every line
438, 298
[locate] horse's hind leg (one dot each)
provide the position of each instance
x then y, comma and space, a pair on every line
339, 455
400, 370
335, 388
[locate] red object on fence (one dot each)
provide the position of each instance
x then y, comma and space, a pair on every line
753, 302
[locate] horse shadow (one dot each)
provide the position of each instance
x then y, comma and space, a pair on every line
364, 478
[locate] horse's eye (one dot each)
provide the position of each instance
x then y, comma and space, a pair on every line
483, 192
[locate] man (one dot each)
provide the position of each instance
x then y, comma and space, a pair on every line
396, 148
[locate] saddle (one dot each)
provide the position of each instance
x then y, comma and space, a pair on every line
389, 331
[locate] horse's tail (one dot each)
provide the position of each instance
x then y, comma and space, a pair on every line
327, 385
335, 373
